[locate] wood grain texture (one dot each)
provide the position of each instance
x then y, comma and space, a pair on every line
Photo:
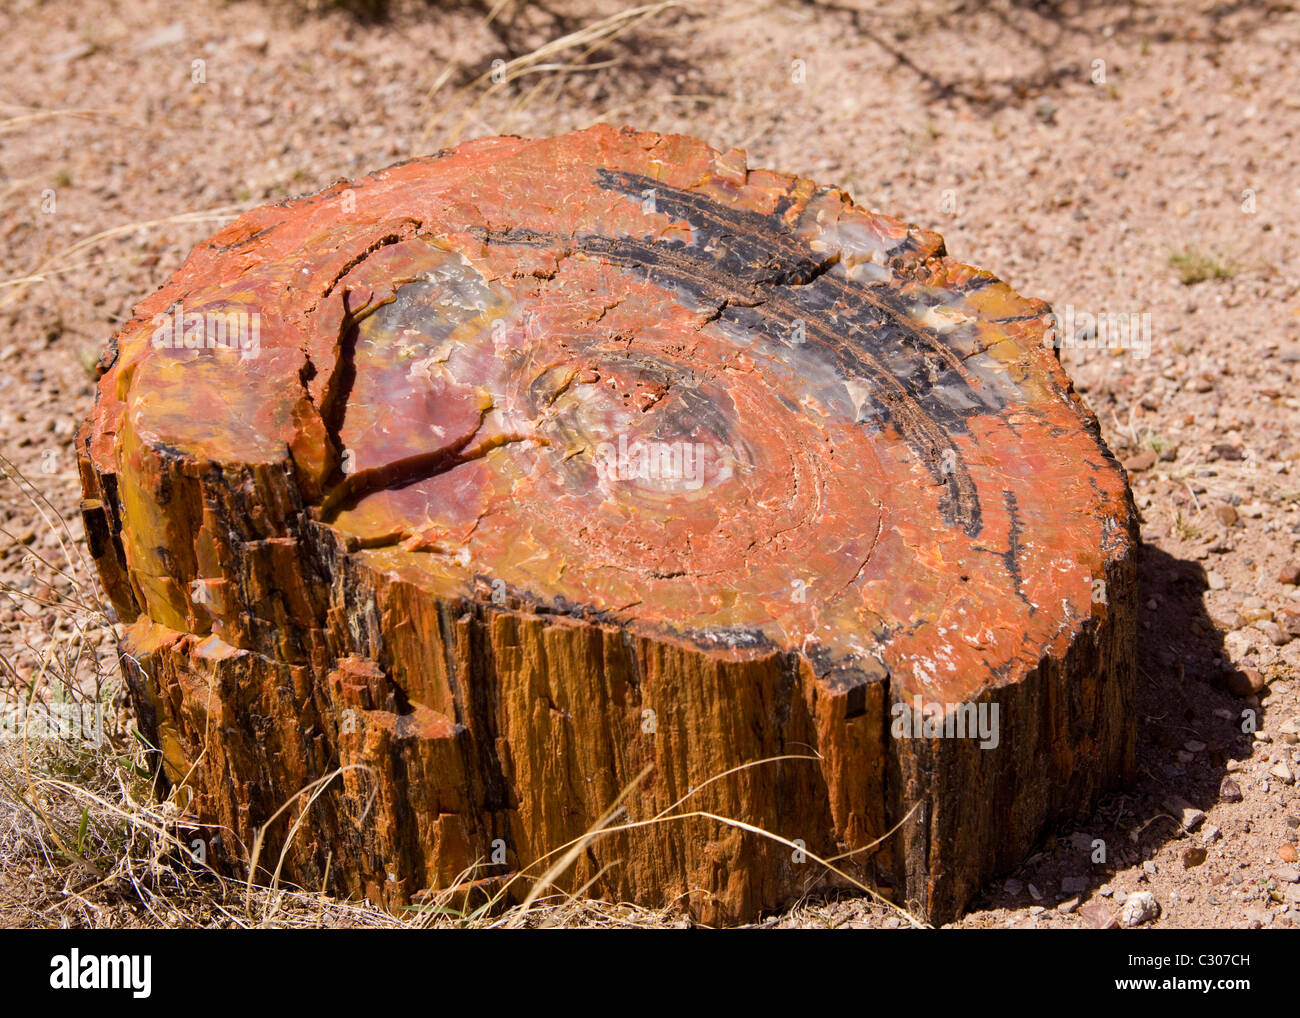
557, 460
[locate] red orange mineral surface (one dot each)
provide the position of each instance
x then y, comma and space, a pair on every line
504, 481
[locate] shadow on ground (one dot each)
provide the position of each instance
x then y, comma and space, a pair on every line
1189, 727
1044, 27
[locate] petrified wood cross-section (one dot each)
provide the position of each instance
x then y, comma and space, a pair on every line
498, 478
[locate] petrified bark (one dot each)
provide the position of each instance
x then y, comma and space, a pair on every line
557, 460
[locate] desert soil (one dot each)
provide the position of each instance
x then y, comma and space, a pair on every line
1113, 158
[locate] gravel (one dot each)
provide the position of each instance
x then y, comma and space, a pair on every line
1166, 190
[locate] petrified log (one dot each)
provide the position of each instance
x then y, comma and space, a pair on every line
540, 464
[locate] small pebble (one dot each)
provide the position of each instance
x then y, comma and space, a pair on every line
1140, 907
1193, 857
1099, 916
1246, 682
1143, 460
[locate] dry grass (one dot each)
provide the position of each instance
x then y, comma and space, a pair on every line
577, 48
87, 841
1195, 266
22, 120
62, 261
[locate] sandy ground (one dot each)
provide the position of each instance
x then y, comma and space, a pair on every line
1115, 158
